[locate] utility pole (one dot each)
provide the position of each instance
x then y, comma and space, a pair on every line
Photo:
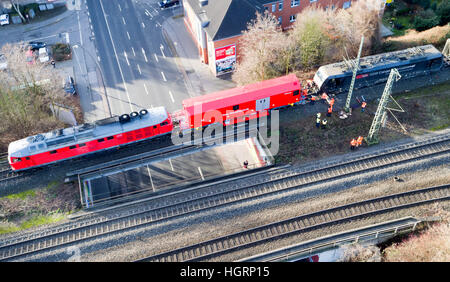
355, 65
380, 115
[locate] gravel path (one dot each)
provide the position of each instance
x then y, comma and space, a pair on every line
179, 232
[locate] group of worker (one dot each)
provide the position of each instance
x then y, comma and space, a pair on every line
355, 143
319, 122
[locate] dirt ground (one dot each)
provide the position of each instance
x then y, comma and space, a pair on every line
426, 109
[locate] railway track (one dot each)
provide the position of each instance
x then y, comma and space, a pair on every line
214, 196
303, 223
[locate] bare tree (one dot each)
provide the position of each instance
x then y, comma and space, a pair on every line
311, 35
16, 6
349, 25
27, 89
258, 49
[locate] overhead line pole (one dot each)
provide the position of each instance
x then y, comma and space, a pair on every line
355, 70
380, 115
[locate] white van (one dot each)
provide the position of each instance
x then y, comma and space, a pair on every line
43, 55
4, 19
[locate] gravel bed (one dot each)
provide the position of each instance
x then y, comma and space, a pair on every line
210, 224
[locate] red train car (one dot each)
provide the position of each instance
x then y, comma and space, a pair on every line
88, 138
241, 103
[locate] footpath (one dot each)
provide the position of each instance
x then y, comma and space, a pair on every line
198, 78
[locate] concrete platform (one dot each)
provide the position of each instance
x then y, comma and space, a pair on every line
149, 178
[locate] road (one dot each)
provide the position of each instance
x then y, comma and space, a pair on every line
137, 65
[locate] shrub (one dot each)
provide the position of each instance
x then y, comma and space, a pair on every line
443, 11
61, 52
425, 20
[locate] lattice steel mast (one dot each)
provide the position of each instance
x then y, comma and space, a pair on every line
355, 65
380, 115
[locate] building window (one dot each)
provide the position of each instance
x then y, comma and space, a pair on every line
280, 6
274, 7
295, 3
347, 4
280, 19
326, 8
332, 7
292, 18
266, 8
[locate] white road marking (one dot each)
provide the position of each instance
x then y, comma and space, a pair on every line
171, 96
156, 57
126, 57
120, 9
145, 56
129, 38
146, 90
201, 173
117, 58
143, 25
98, 58
134, 53
171, 166
139, 69
161, 47
123, 19
67, 38
79, 27
164, 77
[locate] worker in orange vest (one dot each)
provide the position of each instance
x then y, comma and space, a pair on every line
324, 97
363, 106
359, 141
353, 144
313, 99
332, 102
330, 110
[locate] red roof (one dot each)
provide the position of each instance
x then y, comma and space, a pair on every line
238, 95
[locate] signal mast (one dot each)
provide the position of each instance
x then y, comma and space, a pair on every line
355, 65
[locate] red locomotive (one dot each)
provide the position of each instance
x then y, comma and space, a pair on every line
234, 105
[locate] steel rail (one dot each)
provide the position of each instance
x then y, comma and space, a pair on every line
303, 223
214, 197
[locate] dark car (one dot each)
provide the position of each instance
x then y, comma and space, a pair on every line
168, 3
36, 45
69, 85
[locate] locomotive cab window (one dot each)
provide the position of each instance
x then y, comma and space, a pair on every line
155, 126
164, 123
16, 160
72, 147
53, 152
110, 137
81, 145
236, 107
100, 140
27, 158
296, 92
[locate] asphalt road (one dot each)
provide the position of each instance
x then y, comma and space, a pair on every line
137, 65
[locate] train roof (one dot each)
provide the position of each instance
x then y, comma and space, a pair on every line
73, 135
382, 61
242, 94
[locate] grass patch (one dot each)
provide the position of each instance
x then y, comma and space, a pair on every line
21, 195
38, 220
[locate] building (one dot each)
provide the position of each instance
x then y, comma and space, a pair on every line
217, 25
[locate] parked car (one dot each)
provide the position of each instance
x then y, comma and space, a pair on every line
3, 62
4, 19
69, 85
43, 55
36, 45
168, 3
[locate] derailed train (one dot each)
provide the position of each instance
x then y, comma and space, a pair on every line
233, 106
